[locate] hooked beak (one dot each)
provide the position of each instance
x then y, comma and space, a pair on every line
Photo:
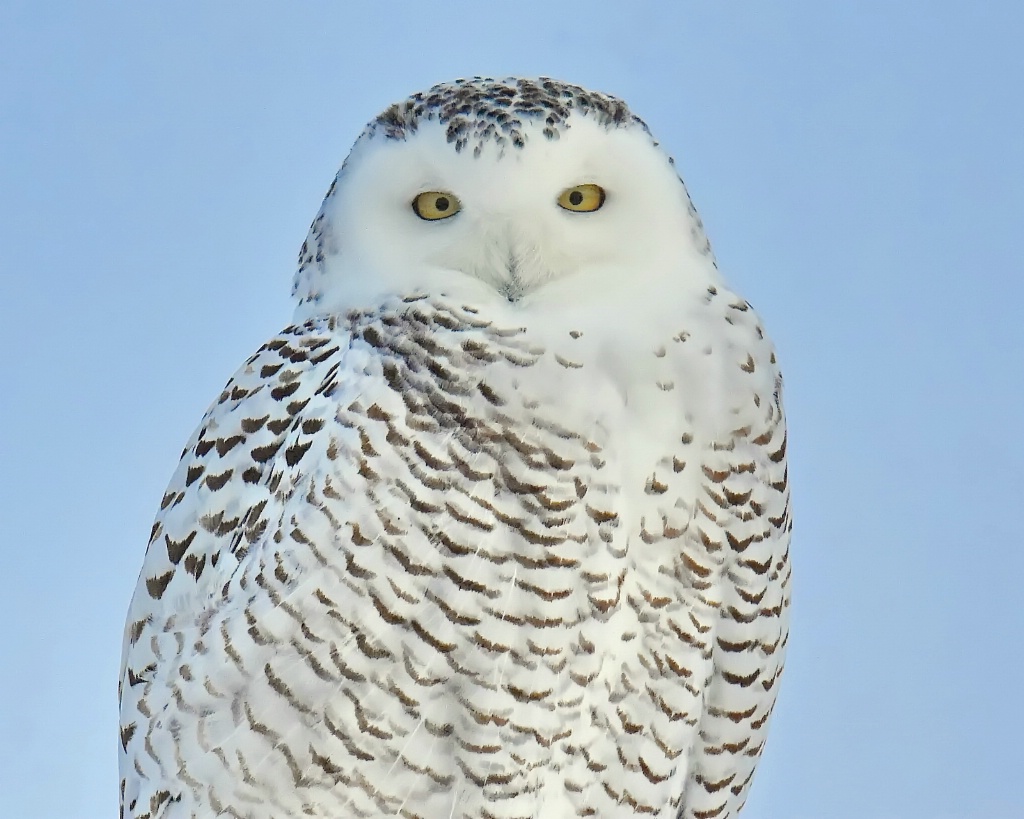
512, 283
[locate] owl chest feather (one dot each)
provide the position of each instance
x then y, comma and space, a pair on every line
480, 565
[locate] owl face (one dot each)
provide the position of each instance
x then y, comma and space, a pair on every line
523, 216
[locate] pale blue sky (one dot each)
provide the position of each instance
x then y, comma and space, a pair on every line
860, 170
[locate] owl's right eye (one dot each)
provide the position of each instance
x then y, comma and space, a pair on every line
434, 205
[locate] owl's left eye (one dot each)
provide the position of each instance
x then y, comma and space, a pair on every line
582, 198
434, 205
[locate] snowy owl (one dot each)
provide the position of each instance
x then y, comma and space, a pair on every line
499, 527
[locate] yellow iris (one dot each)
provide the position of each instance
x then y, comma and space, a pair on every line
434, 205
582, 198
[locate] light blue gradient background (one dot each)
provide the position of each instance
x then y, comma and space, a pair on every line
860, 170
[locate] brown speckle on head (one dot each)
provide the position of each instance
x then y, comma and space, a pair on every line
481, 110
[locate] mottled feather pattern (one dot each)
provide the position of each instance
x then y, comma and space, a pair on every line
448, 601
474, 111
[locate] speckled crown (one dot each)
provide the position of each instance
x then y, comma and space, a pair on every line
482, 109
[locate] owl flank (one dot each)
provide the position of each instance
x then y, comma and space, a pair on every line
499, 527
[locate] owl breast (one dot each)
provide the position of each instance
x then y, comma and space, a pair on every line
480, 586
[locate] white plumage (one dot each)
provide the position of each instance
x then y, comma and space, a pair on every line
500, 527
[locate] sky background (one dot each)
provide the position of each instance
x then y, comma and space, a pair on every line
860, 170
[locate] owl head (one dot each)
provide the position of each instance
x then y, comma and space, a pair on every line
518, 192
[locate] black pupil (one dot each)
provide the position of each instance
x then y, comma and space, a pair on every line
576, 198
442, 203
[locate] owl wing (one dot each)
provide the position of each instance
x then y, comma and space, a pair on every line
744, 513
224, 502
